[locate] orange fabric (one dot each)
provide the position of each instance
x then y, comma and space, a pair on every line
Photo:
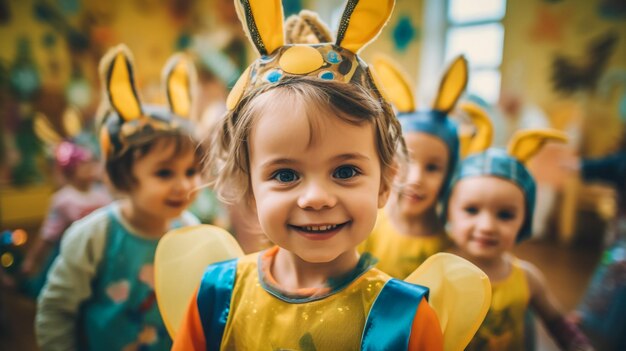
190, 335
425, 332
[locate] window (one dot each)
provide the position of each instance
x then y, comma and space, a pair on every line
474, 29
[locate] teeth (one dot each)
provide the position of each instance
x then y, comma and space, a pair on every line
320, 228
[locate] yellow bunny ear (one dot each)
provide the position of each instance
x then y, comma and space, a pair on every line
482, 137
45, 131
460, 294
180, 259
526, 143
179, 76
452, 85
394, 82
263, 23
117, 73
72, 121
361, 22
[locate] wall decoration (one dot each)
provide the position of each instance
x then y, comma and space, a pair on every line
404, 32
574, 74
612, 9
5, 12
549, 23
76, 39
69, 7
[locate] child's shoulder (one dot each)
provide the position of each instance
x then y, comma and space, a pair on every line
535, 278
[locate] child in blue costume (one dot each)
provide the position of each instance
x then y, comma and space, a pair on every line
101, 287
602, 310
409, 230
489, 209
310, 143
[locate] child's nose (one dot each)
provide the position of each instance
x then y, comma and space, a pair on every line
415, 174
184, 184
486, 222
316, 196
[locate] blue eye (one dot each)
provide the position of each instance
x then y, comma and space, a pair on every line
285, 176
506, 215
345, 172
164, 173
471, 210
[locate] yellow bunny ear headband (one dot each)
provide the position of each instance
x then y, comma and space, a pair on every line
509, 165
68, 151
361, 22
397, 88
130, 123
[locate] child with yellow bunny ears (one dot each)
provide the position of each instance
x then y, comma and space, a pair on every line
489, 209
409, 230
101, 286
310, 143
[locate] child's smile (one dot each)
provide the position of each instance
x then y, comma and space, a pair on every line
312, 176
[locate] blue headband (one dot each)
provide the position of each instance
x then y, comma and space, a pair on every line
496, 162
438, 124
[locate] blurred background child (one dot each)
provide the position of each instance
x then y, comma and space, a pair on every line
489, 209
408, 230
100, 290
81, 195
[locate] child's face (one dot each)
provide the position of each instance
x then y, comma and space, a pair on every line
317, 191
86, 172
485, 215
164, 181
426, 171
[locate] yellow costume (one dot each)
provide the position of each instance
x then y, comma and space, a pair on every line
399, 255
503, 328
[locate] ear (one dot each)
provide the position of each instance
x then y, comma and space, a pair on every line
179, 77
72, 121
452, 85
45, 131
386, 179
263, 23
394, 83
361, 22
119, 84
526, 143
483, 136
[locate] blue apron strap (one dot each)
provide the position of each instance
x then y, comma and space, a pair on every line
213, 300
389, 322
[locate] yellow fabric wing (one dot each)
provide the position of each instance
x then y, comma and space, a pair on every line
179, 262
394, 83
526, 143
460, 294
362, 21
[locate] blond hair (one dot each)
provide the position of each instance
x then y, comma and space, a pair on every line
228, 161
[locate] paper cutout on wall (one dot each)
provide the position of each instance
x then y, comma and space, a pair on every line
404, 32
612, 9
574, 74
549, 23
47, 13
610, 83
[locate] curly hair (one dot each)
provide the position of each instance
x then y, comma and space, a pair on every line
228, 162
